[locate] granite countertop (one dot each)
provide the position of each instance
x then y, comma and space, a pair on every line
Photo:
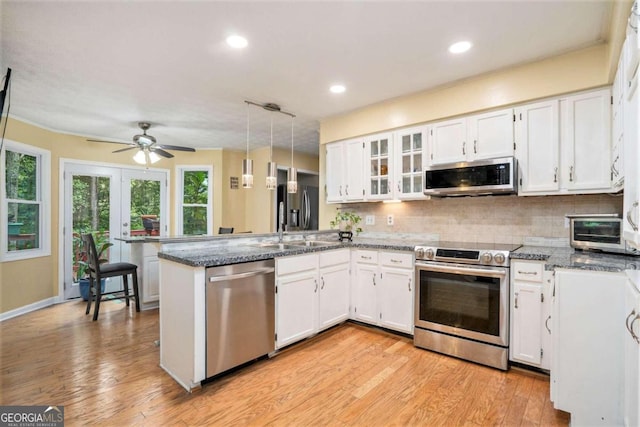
215, 255
567, 257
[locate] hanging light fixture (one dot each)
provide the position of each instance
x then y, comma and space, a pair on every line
145, 156
292, 173
272, 168
247, 163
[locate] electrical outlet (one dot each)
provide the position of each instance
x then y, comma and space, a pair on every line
389, 219
370, 220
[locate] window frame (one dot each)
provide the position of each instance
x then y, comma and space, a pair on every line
180, 170
43, 196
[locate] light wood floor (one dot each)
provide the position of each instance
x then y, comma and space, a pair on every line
107, 373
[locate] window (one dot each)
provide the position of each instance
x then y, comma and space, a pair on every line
26, 187
194, 210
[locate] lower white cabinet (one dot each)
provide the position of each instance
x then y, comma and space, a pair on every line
312, 293
632, 354
530, 314
587, 371
383, 289
145, 256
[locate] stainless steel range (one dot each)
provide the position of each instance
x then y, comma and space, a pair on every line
462, 300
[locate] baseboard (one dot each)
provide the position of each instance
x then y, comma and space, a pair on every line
28, 308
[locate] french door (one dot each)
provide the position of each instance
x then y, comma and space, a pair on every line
108, 202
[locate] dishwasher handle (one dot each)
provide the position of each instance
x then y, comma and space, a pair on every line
242, 275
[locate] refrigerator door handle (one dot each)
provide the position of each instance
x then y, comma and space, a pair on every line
308, 213
305, 210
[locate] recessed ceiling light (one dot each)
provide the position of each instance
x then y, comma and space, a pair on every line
237, 42
337, 89
460, 47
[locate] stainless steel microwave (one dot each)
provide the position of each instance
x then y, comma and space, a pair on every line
601, 232
482, 177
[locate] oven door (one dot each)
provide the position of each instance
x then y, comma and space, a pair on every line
464, 301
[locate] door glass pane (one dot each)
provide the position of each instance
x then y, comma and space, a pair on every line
374, 186
417, 183
145, 207
384, 170
384, 147
374, 167
384, 186
374, 148
417, 141
406, 164
406, 184
194, 220
417, 163
90, 195
406, 143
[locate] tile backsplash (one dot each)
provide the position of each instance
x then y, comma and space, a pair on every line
492, 219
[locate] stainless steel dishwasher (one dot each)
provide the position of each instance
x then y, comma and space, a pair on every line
240, 314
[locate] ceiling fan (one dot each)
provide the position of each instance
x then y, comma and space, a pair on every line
148, 149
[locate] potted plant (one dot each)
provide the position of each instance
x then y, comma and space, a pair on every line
346, 221
82, 265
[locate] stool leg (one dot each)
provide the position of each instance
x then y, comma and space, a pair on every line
125, 280
98, 288
135, 288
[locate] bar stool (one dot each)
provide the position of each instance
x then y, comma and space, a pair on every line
98, 271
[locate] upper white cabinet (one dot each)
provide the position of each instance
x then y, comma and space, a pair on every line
481, 136
586, 141
617, 126
631, 210
344, 168
538, 147
378, 149
564, 146
410, 158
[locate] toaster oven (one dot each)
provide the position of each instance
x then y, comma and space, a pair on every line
600, 232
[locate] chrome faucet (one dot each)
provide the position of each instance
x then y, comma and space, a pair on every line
280, 221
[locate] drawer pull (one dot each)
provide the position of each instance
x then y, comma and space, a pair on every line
364, 257
396, 261
535, 273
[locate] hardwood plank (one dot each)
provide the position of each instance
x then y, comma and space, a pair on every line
107, 373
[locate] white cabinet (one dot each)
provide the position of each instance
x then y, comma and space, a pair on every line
312, 294
344, 167
563, 146
410, 146
145, 256
585, 123
378, 149
530, 316
481, 136
631, 209
617, 126
538, 147
587, 364
632, 355
384, 288
296, 298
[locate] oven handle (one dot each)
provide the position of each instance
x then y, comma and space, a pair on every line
462, 270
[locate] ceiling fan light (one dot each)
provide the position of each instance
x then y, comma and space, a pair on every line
153, 157
140, 158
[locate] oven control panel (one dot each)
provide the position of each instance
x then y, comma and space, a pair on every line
491, 257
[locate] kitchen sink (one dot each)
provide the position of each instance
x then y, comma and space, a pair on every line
277, 246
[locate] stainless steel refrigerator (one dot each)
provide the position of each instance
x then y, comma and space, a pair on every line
301, 208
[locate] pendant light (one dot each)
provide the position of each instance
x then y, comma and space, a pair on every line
247, 163
272, 168
292, 173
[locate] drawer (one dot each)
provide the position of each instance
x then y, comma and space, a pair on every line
296, 264
527, 271
335, 257
366, 257
396, 259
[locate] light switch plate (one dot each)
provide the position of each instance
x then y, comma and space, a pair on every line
389, 219
370, 220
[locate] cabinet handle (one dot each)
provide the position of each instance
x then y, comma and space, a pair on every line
555, 174
634, 226
316, 282
464, 146
399, 188
340, 190
396, 261
629, 325
374, 279
364, 257
546, 324
409, 285
570, 173
475, 143
535, 273
516, 300
613, 166
322, 278
346, 190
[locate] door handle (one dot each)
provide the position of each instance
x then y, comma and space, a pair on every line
316, 282
322, 278
125, 224
634, 226
124, 233
464, 146
546, 324
409, 285
516, 305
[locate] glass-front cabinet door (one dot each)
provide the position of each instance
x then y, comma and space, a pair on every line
378, 148
410, 156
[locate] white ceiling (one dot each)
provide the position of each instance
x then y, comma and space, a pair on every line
96, 68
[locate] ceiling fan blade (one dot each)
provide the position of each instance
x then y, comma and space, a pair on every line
161, 152
133, 147
109, 142
175, 147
